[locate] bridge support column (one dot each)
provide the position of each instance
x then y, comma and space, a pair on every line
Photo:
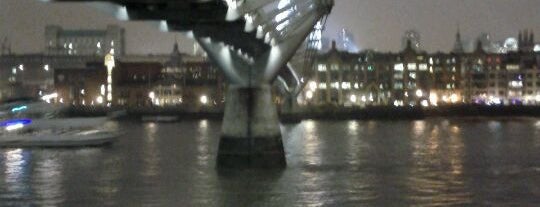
251, 136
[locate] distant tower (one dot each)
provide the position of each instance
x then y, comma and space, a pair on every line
414, 37
526, 41
458, 45
346, 41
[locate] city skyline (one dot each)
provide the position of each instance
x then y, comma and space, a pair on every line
376, 25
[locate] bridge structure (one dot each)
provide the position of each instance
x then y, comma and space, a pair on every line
251, 41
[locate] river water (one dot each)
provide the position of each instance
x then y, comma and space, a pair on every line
432, 162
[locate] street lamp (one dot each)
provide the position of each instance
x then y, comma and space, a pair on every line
309, 95
109, 62
312, 85
353, 98
204, 99
419, 93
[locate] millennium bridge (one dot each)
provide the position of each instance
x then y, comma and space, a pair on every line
251, 41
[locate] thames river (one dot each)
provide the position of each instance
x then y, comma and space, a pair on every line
432, 162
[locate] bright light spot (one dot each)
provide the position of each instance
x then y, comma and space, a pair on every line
433, 99
21, 67
312, 85
46, 67
309, 95
399, 67
204, 99
419, 93
48, 97
283, 3
20, 108
99, 99
102, 89
353, 98
14, 127
424, 103
152, 95
454, 98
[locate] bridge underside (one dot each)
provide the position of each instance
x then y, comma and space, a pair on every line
251, 42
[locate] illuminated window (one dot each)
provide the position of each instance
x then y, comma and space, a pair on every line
512, 67
411, 66
398, 85
321, 68
423, 67
398, 67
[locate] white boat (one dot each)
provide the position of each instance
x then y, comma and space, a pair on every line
38, 124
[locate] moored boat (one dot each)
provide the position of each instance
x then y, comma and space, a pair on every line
38, 124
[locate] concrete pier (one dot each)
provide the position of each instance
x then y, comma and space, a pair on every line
251, 136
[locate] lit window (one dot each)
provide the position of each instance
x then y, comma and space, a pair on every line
423, 67
398, 85
346, 85
321, 68
512, 67
411, 66
398, 67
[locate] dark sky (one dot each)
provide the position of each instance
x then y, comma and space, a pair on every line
377, 24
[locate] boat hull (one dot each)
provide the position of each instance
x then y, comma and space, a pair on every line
79, 139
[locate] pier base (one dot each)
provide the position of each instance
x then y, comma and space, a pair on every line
251, 136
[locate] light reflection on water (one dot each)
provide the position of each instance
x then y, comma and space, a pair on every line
434, 162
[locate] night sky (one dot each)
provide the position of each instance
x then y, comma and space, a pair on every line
377, 24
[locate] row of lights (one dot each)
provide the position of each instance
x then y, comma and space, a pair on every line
152, 95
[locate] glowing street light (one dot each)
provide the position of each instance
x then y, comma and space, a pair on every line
433, 99
454, 98
353, 98
309, 95
312, 85
419, 93
99, 99
204, 99
109, 62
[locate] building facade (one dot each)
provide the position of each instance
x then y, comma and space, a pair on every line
371, 78
61, 41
